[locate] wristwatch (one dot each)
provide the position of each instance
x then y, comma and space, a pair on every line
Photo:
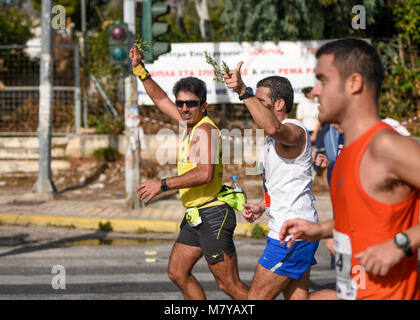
402, 241
248, 93
164, 187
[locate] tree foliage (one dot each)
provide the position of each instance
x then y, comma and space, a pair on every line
15, 29
15, 25
265, 20
190, 32
273, 20
401, 91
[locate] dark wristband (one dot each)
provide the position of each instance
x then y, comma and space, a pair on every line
164, 187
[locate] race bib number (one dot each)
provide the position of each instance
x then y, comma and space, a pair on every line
193, 217
346, 287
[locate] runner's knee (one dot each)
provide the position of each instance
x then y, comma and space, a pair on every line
176, 275
227, 285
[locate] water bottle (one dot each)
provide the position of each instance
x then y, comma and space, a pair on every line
236, 185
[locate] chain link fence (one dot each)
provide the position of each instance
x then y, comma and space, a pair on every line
19, 89
19, 95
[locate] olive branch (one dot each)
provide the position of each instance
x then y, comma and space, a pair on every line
217, 70
142, 46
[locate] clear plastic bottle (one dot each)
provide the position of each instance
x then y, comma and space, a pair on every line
236, 185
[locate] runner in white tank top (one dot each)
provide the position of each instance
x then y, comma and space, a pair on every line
285, 163
287, 184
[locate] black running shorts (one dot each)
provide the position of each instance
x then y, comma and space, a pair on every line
214, 235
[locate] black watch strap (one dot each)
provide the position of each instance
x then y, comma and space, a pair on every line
408, 252
164, 187
402, 241
248, 93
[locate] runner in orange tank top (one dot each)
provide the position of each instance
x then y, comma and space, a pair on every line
374, 186
354, 220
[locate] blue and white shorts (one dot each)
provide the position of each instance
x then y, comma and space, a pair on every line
293, 262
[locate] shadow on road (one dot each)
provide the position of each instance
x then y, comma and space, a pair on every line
88, 181
19, 239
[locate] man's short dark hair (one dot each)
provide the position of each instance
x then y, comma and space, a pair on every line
280, 88
307, 90
355, 55
193, 85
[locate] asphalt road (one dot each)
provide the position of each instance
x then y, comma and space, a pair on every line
48, 263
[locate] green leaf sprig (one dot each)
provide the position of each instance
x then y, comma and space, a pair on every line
217, 70
142, 46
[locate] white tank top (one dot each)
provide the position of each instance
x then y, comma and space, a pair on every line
287, 184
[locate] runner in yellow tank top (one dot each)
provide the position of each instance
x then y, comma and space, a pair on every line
198, 195
210, 226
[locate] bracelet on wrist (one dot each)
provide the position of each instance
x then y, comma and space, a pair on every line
141, 72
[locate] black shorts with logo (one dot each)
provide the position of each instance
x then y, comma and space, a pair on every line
214, 235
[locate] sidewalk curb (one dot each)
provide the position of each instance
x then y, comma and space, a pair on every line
118, 225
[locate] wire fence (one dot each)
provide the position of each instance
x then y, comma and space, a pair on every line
19, 89
19, 96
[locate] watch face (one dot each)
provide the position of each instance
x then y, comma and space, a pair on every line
401, 239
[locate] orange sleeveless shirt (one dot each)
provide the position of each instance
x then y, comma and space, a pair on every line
361, 221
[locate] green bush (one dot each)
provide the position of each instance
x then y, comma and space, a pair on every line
106, 154
141, 230
258, 232
69, 226
107, 124
106, 226
400, 95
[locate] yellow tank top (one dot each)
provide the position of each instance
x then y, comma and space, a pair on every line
198, 195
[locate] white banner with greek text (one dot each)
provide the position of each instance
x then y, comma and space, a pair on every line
293, 60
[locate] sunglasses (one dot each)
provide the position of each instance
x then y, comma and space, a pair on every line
189, 103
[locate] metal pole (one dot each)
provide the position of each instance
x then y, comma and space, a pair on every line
132, 140
85, 75
44, 184
77, 104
